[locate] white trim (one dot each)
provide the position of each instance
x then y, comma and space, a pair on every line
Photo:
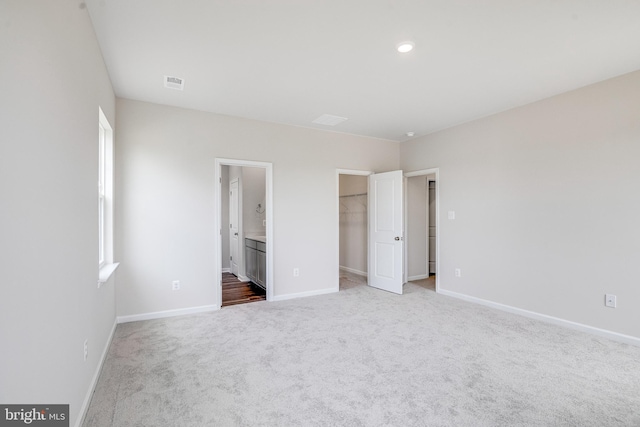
106, 271
243, 278
628, 339
226, 270
94, 381
418, 277
436, 172
268, 167
338, 173
354, 271
167, 313
304, 294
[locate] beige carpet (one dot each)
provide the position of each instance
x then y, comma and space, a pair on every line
364, 357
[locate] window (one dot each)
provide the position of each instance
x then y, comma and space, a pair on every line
102, 205
106, 265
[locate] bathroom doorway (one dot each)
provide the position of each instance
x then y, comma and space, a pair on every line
245, 244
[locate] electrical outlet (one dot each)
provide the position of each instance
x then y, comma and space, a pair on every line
175, 285
296, 272
86, 349
610, 300
458, 272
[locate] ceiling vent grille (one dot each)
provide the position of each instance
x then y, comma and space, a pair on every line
173, 82
329, 120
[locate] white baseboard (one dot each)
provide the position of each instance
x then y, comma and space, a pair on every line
167, 313
628, 339
304, 294
226, 270
96, 376
418, 277
354, 271
243, 278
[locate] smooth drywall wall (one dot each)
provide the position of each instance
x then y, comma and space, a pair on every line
253, 194
167, 200
353, 222
53, 80
546, 204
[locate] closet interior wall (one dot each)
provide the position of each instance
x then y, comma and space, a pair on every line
353, 223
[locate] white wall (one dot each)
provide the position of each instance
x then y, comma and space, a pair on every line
253, 193
53, 80
353, 223
547, 204
167, 200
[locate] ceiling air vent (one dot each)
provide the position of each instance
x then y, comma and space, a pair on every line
329, 120
173, 82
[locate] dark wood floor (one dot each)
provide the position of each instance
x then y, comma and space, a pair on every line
236, 292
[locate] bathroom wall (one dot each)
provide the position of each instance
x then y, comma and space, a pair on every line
253, 194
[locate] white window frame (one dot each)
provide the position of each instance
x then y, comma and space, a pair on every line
102, 136
106, 266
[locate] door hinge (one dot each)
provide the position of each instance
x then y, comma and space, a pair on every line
230, 225
231, 258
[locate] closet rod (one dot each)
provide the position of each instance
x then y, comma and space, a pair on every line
354, 195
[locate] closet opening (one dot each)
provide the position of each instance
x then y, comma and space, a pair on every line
353, 228
421, 243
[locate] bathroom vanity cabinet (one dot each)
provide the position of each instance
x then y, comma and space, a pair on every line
255, 250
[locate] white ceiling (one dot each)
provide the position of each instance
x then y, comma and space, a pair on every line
290, 61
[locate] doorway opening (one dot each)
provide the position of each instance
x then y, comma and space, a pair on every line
353, 227
244, 237
422, 220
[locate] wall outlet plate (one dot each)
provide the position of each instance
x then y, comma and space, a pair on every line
610, 300
175, 285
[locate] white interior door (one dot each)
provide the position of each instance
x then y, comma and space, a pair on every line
234, 240
385, 231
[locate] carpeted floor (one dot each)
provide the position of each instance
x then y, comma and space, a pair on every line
364, 357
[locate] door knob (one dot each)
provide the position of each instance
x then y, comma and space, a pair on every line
397, 238
235, 234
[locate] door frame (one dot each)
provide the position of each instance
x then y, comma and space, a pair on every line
268, 167
238, 225
425, 172
337, 260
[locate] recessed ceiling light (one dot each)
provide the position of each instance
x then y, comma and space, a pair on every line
410, 134
405, 47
